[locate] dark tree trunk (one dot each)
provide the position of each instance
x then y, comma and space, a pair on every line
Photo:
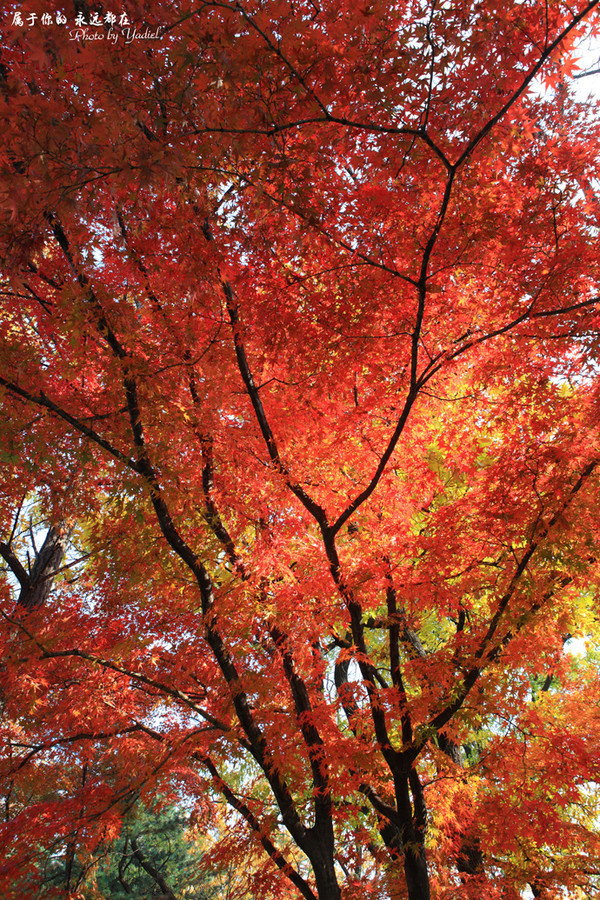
148, 867
37, 584
415, 871
320, 850
327, 885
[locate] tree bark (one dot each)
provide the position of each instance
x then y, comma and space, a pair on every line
151, 870
37, 584
415, 871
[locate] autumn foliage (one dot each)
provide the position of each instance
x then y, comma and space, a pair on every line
300, 447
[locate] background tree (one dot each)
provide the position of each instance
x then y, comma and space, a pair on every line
155, 854
299, 338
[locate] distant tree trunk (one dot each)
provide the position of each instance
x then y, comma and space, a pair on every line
35, 586
151, 870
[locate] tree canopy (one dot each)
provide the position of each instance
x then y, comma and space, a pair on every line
299, 512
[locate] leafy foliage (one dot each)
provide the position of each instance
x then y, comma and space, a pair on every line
151, 856
299, 354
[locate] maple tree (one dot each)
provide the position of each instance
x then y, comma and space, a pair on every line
300, 439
